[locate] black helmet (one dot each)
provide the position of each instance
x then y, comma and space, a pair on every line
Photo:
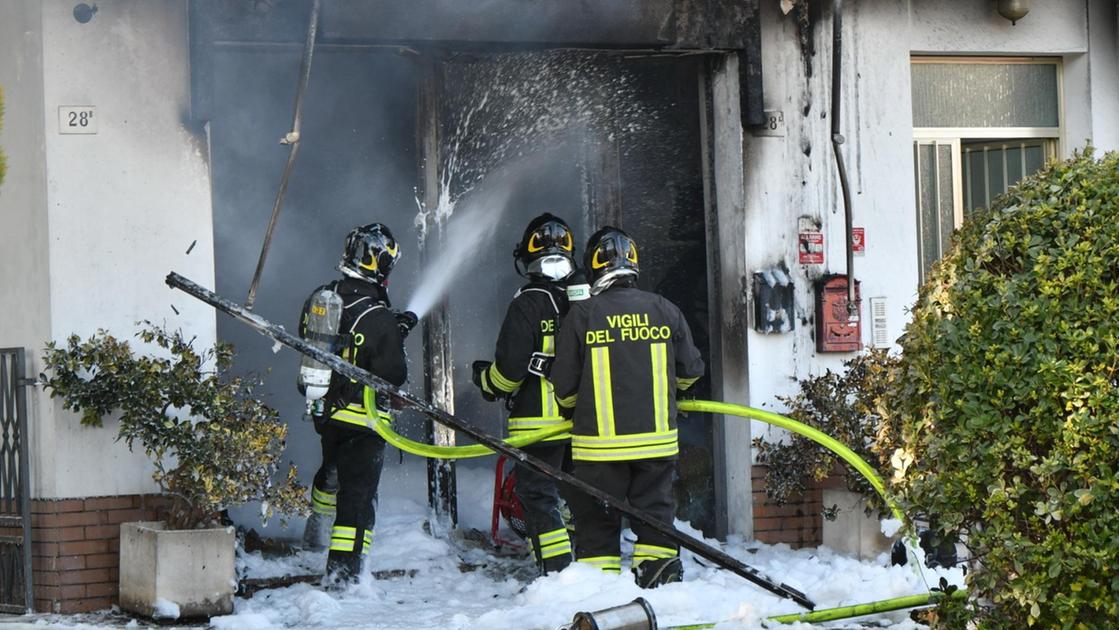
370, 253
610, 251
547, 249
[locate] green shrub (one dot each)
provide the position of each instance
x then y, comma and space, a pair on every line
1006, 400
844, 406
212, 443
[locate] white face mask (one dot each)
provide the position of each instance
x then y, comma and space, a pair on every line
552, 267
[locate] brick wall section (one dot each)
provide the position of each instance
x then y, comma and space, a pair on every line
799, 523
75, 546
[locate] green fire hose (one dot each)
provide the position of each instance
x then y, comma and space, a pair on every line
385, 430
785, 422
847, 612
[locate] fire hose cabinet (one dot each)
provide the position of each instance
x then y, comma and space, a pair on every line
837, 330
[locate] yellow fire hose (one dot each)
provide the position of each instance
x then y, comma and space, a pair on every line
385, 430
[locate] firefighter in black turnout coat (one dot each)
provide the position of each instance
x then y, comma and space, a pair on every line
525, 347
371, 336
620, 358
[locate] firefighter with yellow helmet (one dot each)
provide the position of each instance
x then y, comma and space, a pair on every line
523, 354
620, 358
366, 332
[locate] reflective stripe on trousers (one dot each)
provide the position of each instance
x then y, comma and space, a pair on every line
344, 538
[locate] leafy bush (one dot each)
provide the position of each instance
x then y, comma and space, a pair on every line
1006, 400
844, 406
212, 443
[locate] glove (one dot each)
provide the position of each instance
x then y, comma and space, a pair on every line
480, 376
406, 321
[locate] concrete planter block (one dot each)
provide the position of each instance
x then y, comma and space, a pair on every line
852, 532
172, 574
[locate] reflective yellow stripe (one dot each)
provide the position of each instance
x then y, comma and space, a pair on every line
609, 564
500, 381
547, 391
619, 455
368, 540
653, 552
558, 549
625, 447
528, 425
322, 502
555, 535
554, 543
603, 394
685, 383
342, 538
658, 353
534, 423
351, 416
624, 441
324, 496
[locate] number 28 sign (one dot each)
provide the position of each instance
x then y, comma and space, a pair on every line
77, 119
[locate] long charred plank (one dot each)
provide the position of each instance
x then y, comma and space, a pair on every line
402, 397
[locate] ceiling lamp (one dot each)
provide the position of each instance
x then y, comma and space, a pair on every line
1013, 10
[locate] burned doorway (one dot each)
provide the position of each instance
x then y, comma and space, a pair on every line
596, 138
383, 119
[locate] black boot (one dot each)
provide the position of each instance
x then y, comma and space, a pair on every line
556, 564
342, 570
654, 573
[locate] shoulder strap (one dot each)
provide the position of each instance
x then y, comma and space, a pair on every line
546, 292
376, 306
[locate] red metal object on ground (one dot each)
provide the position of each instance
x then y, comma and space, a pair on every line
506, 505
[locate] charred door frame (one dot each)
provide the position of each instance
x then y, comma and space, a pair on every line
724, 203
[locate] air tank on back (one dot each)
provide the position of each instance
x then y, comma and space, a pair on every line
324, 315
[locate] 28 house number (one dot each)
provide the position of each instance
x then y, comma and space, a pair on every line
77, 119
80, 119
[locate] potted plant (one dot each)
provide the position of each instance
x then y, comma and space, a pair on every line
213, 446
844, 406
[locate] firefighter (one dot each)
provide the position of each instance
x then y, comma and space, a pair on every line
525, 347
620, 357
371, 336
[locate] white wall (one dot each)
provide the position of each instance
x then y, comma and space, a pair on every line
1103, 58
793, 177
24, 264
122, 208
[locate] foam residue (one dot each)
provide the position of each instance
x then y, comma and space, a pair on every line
504, 113
165, 609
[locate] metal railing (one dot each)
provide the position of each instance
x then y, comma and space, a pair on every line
15, 502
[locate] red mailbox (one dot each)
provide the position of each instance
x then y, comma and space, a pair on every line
836, 329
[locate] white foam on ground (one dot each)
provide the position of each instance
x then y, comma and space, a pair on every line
442, 595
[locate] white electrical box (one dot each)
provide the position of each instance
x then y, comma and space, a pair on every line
879, 333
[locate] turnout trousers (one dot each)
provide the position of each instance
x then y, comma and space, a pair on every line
647, 485
540, 498
357, 456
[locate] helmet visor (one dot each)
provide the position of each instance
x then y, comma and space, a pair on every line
554, 267
550, 237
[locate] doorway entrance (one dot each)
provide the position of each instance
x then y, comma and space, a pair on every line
381, 126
